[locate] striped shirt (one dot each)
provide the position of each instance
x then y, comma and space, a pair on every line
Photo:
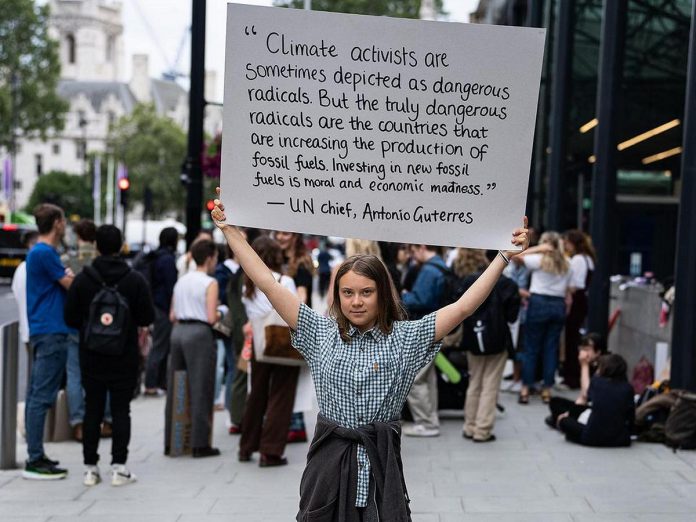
366, 380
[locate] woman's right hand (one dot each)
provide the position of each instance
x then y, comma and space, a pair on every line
218, 212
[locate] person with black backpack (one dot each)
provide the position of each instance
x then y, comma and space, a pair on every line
487, 340
107, 302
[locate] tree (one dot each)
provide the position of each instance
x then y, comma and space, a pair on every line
152, 147
29, 73
399, 9
72, 193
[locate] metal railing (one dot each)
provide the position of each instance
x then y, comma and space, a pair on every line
9, 344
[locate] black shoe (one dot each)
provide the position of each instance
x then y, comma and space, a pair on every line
549, 422
268, 461
490, 438
206, 451
50, 461
43, 469
468, 437
167, 451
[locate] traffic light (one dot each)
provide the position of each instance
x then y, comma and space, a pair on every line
124, 187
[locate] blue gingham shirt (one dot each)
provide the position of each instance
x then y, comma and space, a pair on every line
366, 380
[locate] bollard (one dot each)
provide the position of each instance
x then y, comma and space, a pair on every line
9, 343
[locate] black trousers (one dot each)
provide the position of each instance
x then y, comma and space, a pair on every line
559, 406
572, 429
156, 366
120, 389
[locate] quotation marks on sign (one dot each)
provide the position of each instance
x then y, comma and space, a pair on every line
490, 186
248, 31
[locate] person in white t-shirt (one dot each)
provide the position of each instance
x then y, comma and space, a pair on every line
193, 312
546, 312
577, 245
19, 289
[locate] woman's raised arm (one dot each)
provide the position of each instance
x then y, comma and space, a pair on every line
450, 316
283, 300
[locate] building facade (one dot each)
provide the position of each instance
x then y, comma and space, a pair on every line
90, 36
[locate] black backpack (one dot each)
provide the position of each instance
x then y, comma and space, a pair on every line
486, 331
453, 287
109, 314
680, 428
145, 265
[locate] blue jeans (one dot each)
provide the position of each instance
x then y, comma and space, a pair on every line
51, 353
545, 320
73, 389
225, 358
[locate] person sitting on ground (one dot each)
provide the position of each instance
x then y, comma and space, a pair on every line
112, 373
363, 360
592, 346
612, 415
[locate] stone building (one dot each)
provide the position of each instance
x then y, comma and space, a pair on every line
90, 33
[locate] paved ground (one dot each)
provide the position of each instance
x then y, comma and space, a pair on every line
529, 474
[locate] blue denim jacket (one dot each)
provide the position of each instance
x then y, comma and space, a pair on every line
427, 290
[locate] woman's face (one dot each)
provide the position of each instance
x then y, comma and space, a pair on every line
284, 239
402, 255
568, 247
359, 303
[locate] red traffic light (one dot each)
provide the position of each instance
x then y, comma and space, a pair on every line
124, 183
210, 205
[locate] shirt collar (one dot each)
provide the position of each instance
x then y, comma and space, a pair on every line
374, 332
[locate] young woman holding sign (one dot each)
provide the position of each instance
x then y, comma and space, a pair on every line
363, 359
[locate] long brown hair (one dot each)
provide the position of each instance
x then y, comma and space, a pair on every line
581, 242
271, 254
389, 308
300, 256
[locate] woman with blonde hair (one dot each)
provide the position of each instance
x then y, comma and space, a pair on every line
550, 272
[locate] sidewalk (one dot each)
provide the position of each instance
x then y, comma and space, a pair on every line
529, 474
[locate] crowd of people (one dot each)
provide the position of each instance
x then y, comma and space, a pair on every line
242, 314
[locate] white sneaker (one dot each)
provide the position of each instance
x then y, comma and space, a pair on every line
418, 430
120, 476
91, 476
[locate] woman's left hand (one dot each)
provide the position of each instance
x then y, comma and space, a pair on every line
520, 238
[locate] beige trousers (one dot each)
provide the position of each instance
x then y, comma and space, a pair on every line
485, 374
422, 399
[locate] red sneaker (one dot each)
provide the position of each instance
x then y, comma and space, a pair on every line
297, 436
234, 430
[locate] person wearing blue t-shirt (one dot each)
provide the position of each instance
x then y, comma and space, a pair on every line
424, 298
50, 337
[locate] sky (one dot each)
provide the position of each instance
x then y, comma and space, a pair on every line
156, 28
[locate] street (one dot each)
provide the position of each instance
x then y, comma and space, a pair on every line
529, 474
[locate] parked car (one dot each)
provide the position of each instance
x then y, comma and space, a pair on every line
12, 250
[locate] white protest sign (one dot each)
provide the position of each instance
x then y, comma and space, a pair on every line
378, 128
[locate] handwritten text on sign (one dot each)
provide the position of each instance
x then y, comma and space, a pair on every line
378, 128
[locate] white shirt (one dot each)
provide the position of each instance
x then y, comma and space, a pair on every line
258, 306
579, 265
232, 265
545, 283
189, 296
19, 289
